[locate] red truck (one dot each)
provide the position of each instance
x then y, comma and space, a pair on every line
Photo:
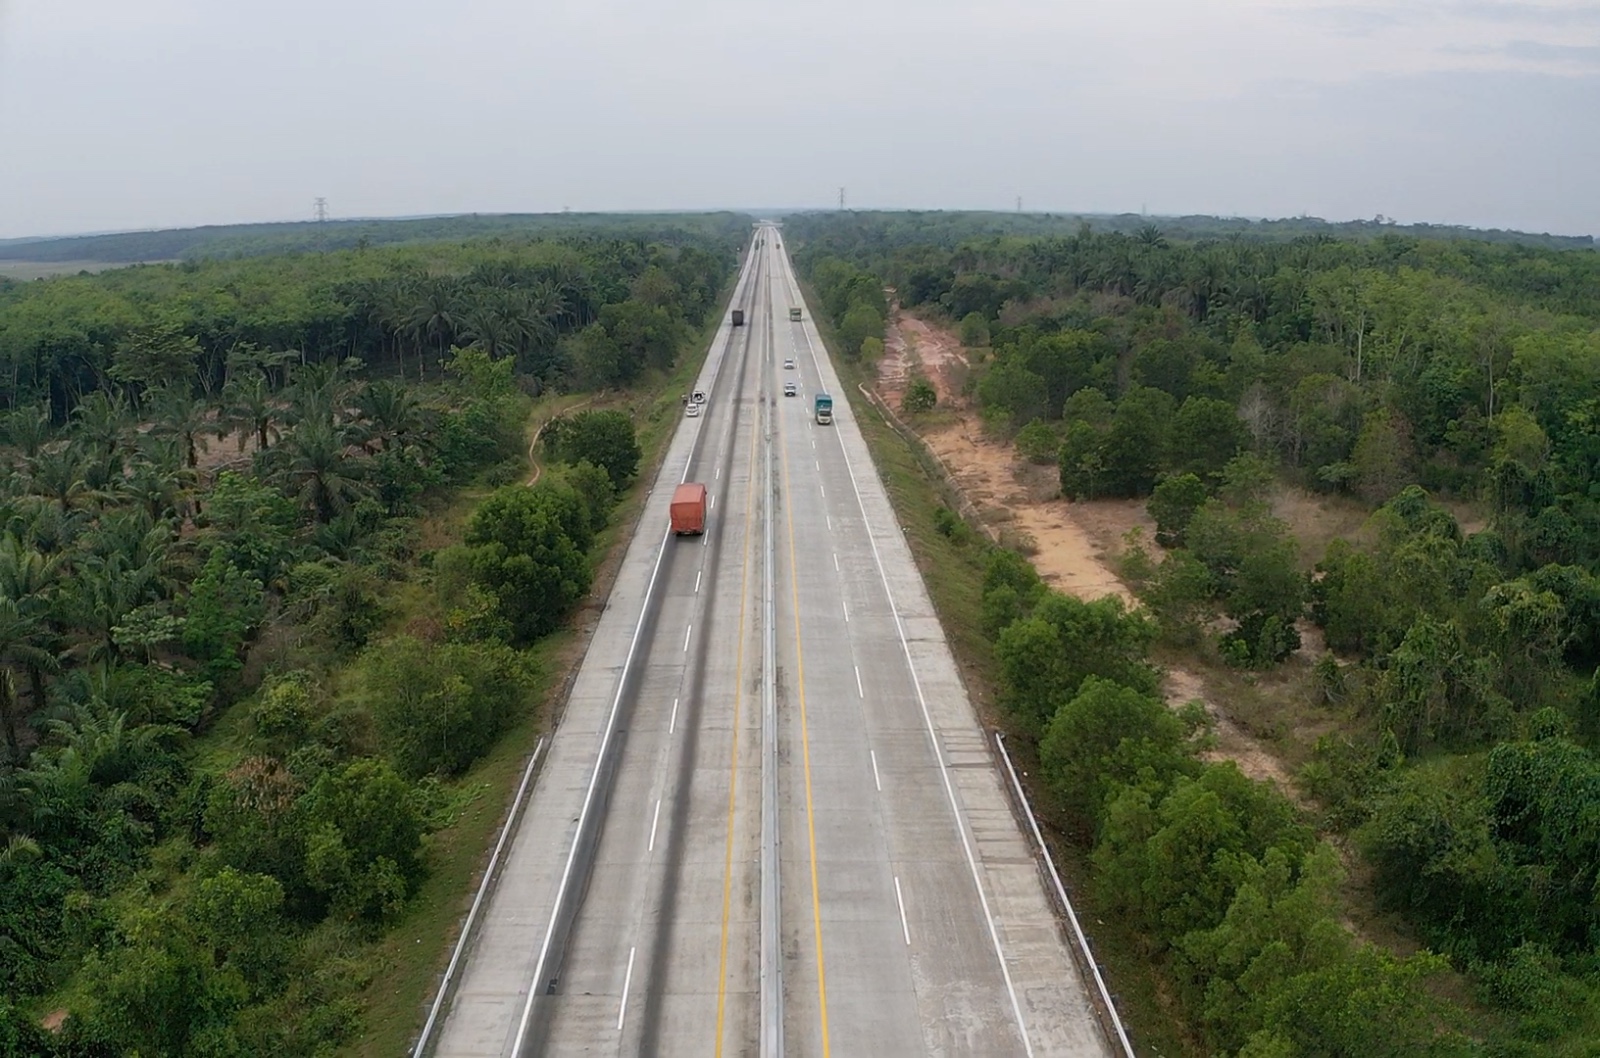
689, 509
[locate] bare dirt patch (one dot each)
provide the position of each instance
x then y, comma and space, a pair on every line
1072, 545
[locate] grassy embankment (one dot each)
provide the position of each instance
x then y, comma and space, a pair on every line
952, 566
405, 965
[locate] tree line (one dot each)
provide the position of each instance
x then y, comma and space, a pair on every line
235, 681
579, 313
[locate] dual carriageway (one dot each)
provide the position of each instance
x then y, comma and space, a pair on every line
768, 823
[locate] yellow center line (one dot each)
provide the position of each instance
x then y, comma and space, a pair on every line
805, 748
733, 769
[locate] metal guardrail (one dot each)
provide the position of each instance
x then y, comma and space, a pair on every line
447, 985
1108, 1007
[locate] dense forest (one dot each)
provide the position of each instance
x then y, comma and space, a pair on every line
237, 686
1397, 372
246, 240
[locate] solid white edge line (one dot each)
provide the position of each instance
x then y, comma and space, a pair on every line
904, 927
876, 781
627, 982
654, 822
477, 901
933, 735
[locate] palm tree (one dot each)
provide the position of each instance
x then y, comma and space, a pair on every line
388, 412
160, 483
486, 325
188, 419
250, 406
434, 314
58, 475
28, 429
102, 422
22, 639
321, 392
312, 463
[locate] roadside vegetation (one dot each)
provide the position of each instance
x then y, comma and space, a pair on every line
1416, 378
271, 589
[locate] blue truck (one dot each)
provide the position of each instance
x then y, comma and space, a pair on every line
824, 409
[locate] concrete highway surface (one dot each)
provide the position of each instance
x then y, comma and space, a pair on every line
768, 822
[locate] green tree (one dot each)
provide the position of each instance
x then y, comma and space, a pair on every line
315, 469
1206, 434
1107, 736
1045, 657
224, 607
440, 707
1137, 445
604, 438
363, 839
920, 396
1082, 462
1172, 506
857, 325
521, 548
1038, 444
1381, 457
974, 330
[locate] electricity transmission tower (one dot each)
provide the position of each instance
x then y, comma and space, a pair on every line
841, 199
321, 210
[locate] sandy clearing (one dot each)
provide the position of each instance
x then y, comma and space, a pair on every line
1072, 542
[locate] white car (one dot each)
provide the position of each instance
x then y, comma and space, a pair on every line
788, 364
789, 389
692, 410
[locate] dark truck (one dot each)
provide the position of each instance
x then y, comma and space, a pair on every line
738, 317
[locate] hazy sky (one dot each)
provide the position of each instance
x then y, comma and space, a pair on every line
152, 113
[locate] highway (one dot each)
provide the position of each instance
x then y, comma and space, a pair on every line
768, 822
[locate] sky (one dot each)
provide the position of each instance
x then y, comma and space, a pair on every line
122, 115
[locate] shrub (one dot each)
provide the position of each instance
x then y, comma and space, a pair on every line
1038, 444
919, 396
438, 707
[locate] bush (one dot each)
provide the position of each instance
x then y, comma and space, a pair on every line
974, 330
438, 707
1038, 444
1105, 736
1045, 657
604, 438
526, 546
919, 396
1172, 506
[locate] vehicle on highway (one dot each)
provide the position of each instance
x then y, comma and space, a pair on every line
789, 389
794, 315
692, 410
788, 363
689, 509
823, 407
698, 397
738, 317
